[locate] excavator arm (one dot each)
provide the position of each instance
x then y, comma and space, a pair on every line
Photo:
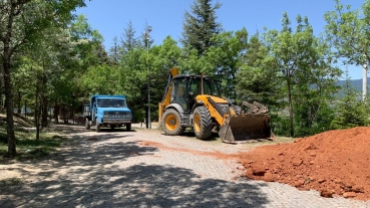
167, 94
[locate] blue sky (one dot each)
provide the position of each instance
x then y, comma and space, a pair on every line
110, 17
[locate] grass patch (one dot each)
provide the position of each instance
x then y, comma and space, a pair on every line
27, 145
277, 139
11, 182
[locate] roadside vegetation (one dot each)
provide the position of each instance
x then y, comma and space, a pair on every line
53, 59
28, 147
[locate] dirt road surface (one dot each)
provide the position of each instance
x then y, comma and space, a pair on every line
144, 168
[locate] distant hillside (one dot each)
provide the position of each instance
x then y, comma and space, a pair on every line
356, 83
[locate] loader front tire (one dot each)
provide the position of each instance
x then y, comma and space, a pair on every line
202, 123
171, 123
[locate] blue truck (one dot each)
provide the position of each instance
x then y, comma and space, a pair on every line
107, 111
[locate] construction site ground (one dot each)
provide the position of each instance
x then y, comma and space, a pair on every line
144, 168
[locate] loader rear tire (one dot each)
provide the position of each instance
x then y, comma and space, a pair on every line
171, 123
202, 123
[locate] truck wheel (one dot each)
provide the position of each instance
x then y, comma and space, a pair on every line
171, 123
87, 124
97, 126
128, 127
202, 123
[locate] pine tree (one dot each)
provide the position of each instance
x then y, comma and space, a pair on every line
201, 26
351, 110
128, 40
257, 79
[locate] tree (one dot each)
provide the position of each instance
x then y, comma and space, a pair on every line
304, 63
351, 110
199, 28
225, 58
258, 76
115, 51
129, 41
163, 58
349, 33
20, 22
315, 87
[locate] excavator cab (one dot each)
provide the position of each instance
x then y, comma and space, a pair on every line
186, 88
195, 101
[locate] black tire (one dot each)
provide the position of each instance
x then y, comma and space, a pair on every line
171, 123
202, 123
128, 127
87, 124
97, 125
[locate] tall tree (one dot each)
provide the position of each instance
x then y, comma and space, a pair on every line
348, 30
258, 77
128, 40
114, 51
304, 63
223, 60
21, 22
200, 26
351, 110
281, 45
163, 58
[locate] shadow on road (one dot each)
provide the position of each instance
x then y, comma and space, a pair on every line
107, 175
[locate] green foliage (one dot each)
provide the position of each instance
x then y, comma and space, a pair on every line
304, 62
201, 26
351, 110
224, 58
348, 31
258, 78
28, 147
101, 79
280, 124
290, 71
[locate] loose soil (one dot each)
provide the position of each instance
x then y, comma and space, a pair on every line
333, 163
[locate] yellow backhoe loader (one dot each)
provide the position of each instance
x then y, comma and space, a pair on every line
195, 101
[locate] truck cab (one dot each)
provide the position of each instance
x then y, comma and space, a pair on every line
107, 111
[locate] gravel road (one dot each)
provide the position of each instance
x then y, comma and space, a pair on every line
122, 169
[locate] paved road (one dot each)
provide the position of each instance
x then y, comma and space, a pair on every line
115, 169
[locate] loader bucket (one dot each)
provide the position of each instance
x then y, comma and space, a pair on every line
240, 129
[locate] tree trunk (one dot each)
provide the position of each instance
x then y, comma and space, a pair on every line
44, 117
50, 117
290, 107
44, 104
56, 113
65, 117
9, 105
19, 102
25, 108
364, 82
37, 113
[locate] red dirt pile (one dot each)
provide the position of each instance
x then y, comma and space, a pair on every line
333, 163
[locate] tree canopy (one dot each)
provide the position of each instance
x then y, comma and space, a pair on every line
52, 59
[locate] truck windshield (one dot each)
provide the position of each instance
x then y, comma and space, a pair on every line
114, 103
